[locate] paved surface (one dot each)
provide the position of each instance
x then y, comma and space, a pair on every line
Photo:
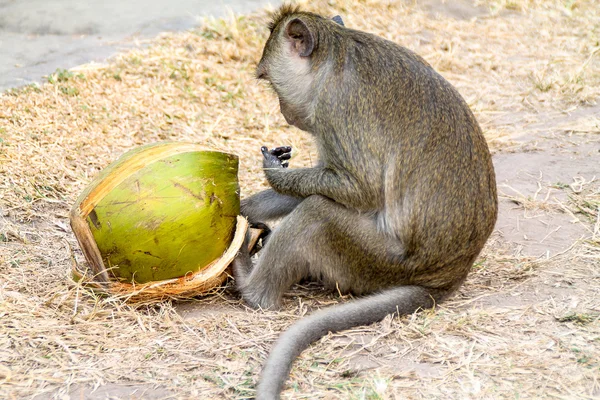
39, 36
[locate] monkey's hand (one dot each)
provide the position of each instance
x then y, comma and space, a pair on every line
277, 157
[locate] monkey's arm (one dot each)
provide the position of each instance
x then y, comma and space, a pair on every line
304, 182
267, 205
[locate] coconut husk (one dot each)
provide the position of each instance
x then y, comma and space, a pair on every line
188, 286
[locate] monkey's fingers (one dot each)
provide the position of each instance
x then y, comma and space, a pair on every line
270, 160
268, 154
278, 151
285, 156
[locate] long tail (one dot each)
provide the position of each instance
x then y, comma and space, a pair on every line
363, 311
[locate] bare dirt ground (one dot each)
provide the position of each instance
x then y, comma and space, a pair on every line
525, 324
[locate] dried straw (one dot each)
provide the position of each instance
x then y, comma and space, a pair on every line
521, 326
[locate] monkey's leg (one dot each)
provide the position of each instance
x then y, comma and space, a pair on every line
268, 205
242, 263
325, 240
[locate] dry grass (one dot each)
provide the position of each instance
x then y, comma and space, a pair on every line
520, 327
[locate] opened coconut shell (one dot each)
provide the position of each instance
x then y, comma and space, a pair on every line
160, 212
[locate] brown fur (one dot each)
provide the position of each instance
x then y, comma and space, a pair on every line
403, 197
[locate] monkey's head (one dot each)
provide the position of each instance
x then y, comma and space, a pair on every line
294, 60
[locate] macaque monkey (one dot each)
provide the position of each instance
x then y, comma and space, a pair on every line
401, 201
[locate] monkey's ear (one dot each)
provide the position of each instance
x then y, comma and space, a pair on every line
338, 19
301, 38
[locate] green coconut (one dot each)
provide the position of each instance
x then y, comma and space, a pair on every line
160, 211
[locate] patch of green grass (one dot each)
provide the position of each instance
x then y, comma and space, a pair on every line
216, 379
63, 75
245, 389
208, 34
479, 266
31, 88
560, 185
578, 318
543, 86
179, 71
217, 29
587, 206
349, 373
189, 91
135, 60
583, 359
232, 96
69, 91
